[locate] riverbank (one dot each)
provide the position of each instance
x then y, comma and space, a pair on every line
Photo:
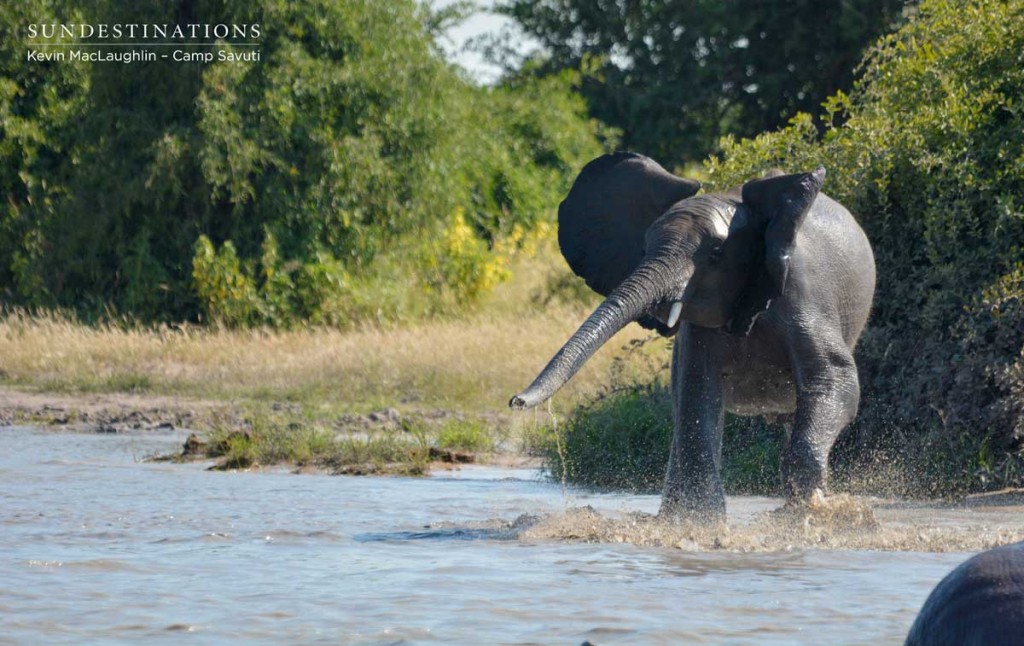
348, 401
251, 435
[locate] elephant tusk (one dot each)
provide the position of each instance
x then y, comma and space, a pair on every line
673, 315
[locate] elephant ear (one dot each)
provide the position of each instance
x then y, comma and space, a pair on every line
780, 204
602, 222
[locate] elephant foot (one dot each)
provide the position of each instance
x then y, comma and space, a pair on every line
836, 513
690, 511
803, 479
797, 499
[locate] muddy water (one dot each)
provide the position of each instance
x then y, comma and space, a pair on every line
96, 546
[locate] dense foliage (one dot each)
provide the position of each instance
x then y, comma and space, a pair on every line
675, 76
349, 174
621, 439
930, 158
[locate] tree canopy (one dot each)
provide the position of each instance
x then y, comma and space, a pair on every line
677, 75
270, 191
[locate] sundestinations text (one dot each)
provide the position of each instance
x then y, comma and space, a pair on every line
142, 31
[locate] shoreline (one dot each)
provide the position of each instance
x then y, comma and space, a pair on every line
206, 420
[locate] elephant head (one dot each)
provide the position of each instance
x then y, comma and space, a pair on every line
637, 235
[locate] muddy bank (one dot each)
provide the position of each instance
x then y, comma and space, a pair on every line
113, 412
107, 413
224, 431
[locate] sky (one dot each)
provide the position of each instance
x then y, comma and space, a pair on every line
482, 22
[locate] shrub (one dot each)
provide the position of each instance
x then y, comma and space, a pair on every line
460, 264
224, 288
618, 441
621, 440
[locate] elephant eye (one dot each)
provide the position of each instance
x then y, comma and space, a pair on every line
716, 254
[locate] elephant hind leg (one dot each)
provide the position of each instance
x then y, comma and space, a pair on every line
828, 395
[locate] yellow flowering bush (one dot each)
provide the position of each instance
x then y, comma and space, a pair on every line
461, 264
225, 290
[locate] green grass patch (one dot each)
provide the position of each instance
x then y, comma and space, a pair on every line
273, 440
465, 435
127, 383
536, 439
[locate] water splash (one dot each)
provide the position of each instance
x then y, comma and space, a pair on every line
839, 522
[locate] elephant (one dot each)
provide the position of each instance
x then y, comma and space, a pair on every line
765, 289
980, 602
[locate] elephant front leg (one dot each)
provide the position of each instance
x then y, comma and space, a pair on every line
828, 392
693, 487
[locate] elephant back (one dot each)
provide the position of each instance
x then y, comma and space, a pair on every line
981, 602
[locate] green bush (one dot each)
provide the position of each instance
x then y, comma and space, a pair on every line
621, 441
618, 441
461, 264
225, 290
331, 166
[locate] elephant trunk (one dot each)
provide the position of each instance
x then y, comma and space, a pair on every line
627, 302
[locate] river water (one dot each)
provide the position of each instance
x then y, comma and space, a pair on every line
97, 546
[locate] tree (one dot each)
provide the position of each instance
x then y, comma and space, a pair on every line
676, 75
351, 148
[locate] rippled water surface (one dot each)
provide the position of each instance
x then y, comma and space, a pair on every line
96, 546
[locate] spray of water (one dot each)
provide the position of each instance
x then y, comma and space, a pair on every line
840, 522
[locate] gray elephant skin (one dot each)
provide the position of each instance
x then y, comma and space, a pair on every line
765, 289
980, 603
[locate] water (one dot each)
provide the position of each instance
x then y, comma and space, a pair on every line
98, 547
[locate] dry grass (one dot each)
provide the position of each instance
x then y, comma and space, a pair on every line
471, 365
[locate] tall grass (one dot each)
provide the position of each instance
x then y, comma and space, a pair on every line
472, 363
